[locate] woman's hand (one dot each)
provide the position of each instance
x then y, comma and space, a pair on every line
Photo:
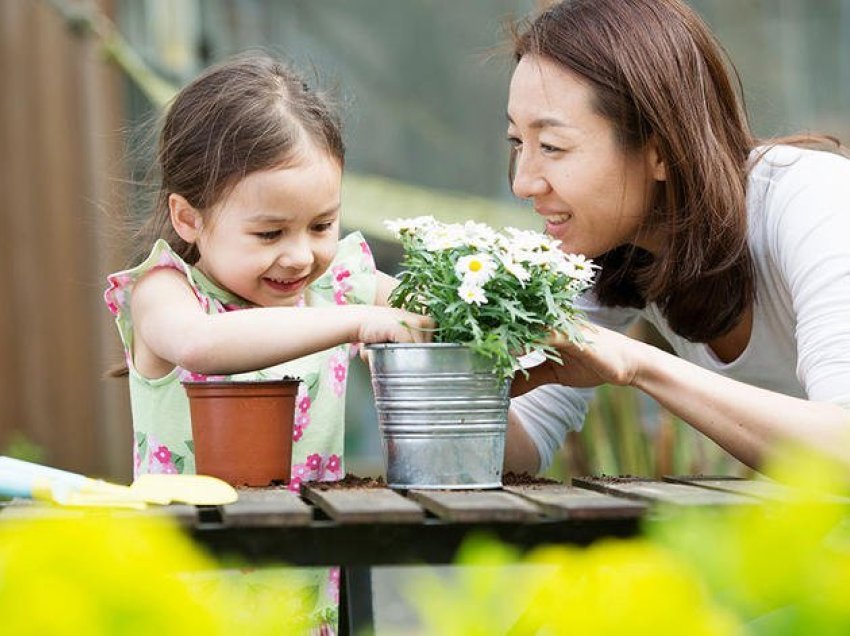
605, 357
386, 324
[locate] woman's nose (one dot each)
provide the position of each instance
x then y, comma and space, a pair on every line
528, 182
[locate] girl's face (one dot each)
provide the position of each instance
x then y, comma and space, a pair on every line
276, 232
593, 195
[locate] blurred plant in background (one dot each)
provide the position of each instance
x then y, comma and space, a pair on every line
98, 574
627, 433
780, 568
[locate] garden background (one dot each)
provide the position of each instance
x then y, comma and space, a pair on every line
423, 91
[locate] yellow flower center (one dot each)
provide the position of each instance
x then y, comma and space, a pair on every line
474, 266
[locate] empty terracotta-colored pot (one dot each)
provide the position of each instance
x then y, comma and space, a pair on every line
242, 430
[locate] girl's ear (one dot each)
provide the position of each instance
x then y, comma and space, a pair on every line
654, 162
186, 219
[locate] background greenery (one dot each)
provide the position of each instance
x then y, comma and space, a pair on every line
423, 85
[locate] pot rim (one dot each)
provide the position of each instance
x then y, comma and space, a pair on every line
258, 383
417, 345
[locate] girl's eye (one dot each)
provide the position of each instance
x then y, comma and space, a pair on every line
514, 143
268, 236
323, 227
550, 150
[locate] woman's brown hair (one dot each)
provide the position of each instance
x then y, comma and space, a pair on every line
658, 72
249, 113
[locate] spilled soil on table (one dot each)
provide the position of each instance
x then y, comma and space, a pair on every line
349, 481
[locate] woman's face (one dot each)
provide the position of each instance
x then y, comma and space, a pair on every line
592, 194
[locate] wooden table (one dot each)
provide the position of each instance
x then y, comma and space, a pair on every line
357, 528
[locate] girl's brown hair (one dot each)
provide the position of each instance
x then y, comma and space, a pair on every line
249, 113
657, 71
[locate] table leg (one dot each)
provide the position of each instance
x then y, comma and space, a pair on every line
355, 601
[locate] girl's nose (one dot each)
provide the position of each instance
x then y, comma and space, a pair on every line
297, 254
528, 182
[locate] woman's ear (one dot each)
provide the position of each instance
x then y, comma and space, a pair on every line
654, 162
186, 219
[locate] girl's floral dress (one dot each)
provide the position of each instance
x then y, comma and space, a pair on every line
160, 408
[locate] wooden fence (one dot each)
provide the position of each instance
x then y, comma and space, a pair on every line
60, 172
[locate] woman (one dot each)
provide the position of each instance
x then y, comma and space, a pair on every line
632, 143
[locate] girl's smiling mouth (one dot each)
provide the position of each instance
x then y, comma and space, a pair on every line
286, 285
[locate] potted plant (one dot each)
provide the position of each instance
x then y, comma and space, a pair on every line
495, 298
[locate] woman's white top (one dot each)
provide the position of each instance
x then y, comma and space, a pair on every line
798, 206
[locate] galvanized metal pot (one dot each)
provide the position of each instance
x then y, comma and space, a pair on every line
443, 415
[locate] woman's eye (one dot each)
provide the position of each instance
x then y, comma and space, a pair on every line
268, 236
514, 142
323, 227
546, 148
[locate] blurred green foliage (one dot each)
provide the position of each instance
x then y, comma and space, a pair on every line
777, 568
626, 433
20, 446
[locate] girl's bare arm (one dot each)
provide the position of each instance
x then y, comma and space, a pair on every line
172, 329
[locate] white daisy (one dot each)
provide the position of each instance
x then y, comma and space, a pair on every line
577, 266
472, 294
512, 267
410, 226
476, 268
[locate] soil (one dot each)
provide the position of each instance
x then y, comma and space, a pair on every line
349, 481
524, 479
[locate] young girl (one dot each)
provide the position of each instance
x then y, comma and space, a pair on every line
633, 145
247, 276
248, 217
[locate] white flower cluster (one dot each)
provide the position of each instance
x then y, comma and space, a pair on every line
521, 253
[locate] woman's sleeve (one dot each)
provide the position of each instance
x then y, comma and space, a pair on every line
549, 412
808, 229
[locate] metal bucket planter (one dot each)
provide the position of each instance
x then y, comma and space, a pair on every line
443, 415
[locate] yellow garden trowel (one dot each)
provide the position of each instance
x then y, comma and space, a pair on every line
19, 478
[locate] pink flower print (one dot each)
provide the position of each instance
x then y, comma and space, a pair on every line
333, 585
334, 463
314, 462
160, 460
301, 471
367, 252
304, 403
294, 485
333, 469
191, 376
137, 461
297, 433
338, 371
162, 455
338, 275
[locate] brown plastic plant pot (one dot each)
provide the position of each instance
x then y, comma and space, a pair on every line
242, 430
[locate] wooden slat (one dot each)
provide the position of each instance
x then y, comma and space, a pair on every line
758, 488
661, 492
476, 505
364, 505
558, 501
267, 508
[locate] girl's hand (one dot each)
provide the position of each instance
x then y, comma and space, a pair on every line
605, 357
386, 324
